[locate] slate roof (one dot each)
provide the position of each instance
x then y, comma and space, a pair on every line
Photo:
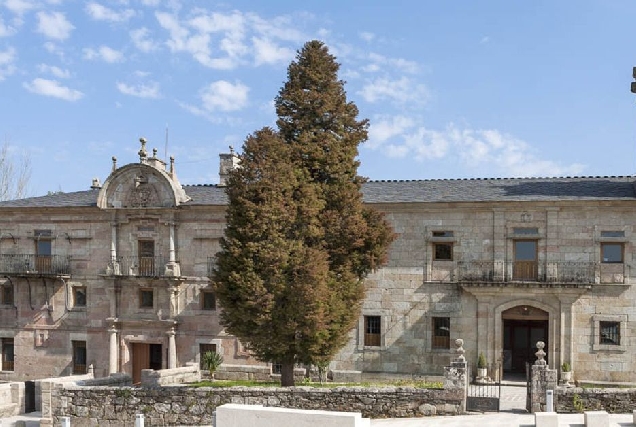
422, 191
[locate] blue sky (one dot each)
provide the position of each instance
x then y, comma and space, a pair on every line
452, 89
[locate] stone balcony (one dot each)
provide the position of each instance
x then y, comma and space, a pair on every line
35, 265
498, 272
135, 266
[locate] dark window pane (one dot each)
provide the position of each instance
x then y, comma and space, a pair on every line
79, 357
525, 250
442, 234
612, 234
208, 301
372, 331
612, 252
443, 252
79, 296
7, 294
146, 298
610, 333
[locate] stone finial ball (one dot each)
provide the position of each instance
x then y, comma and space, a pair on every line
459, 342
540, 345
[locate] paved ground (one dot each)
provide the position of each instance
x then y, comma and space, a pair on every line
513, 414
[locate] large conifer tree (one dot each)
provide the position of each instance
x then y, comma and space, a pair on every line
299, 241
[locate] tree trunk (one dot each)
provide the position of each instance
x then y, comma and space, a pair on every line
287, 374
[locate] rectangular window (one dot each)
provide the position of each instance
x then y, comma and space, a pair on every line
612, 253
204, 348
79, 296
372, 331
525, 230
146, 298
7, 294
7, 354
610, 333
277, 368
442, 251
443, 234
608, 233
441, 332
208, 300
79, 357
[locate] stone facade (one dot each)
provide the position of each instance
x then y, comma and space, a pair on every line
118, 277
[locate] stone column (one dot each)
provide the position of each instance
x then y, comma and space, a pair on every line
456, 375
172, 349
113, 354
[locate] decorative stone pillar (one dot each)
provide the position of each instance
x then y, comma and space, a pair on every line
113, 266
172, 267
455, 375
542, 378
172, 349
113, 354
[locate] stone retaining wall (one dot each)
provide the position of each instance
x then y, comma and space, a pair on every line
182, 405
612, 400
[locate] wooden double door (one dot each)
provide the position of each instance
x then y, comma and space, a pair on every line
145, 356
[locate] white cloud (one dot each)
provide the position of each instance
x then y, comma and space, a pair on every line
56, 71
54, 25
484, 39
366, 36
52, 88
224, 96
267, 52
19, 7
103, 53
478, 152
400, 91
378, 61
7, 66
7, 30
142, 41
102, 13
144, 90
384, 128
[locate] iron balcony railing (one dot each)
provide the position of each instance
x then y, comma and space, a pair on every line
35, 264
527, 271
140, 266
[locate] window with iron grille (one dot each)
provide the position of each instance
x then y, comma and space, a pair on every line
441, 332
610, 333
372, 331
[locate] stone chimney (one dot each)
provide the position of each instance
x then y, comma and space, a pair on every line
228, 162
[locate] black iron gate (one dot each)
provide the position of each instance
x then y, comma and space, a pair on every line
483, 396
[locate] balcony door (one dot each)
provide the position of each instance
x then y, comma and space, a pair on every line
525, 266
146, 257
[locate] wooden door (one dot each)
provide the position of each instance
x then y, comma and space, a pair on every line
525, 266
140, 360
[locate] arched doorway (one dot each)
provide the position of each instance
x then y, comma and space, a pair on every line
523, 326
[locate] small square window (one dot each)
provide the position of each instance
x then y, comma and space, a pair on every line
7, 294
372, 331
146, 298
442, 251
610, 333
612, 253
79, 296
441, 332
208, 300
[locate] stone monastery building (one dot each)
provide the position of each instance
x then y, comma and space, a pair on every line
117, 276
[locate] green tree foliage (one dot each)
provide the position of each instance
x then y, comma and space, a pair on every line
299, 241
